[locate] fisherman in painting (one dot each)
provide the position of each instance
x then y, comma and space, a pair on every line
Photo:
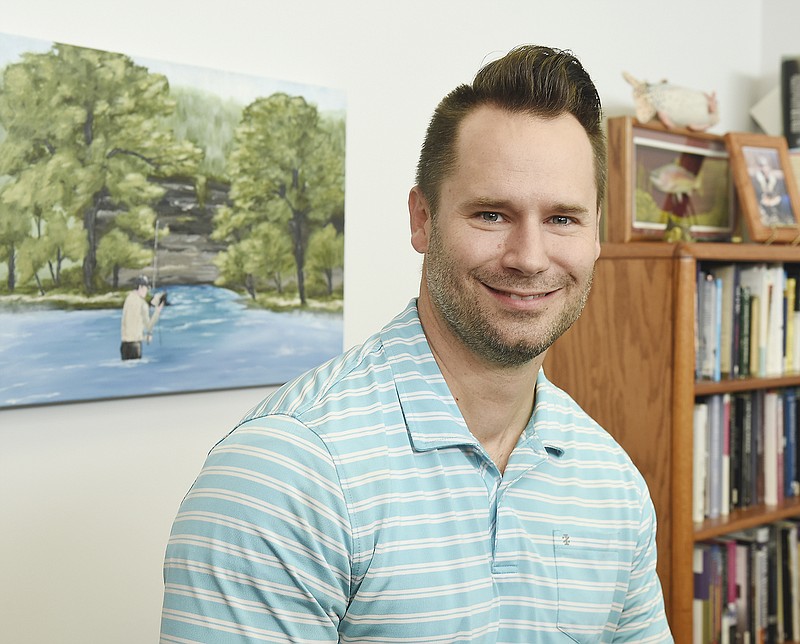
137, 323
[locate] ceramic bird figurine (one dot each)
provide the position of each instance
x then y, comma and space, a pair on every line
673, 106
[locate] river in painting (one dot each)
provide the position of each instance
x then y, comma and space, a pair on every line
207, 338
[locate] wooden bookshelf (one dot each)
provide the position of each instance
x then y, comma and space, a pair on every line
629, 362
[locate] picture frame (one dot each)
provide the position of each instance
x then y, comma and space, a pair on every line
766, 186
141, 268
671, 185
794, 161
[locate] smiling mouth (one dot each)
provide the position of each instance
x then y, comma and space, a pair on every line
517, 297
524, 298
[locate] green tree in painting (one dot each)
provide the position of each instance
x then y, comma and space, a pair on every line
262, 259
209, 122
326, 253
287, 171
91, 124
14, 231
41, 195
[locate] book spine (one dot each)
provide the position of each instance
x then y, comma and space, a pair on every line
725, 505
737, 411
791, 289
744, 332
790, 437
715, 449
716, 342
770, 448
748, 456
699, 462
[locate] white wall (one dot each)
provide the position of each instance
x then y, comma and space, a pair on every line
88, 491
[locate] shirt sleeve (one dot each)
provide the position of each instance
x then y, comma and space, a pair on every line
643, 618
261, 547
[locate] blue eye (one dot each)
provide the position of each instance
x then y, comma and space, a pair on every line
491, 217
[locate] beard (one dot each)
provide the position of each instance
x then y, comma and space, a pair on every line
504, 339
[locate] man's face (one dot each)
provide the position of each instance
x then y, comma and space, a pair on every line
510, 255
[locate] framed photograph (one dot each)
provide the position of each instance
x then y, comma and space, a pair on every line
671, 185
766, 186
150, 237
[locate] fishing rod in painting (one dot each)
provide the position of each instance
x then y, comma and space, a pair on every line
155, 256
163, 296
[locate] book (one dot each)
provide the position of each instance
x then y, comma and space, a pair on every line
702, 594
786, 584
796, 343
707, 326
717, 348
749, 455
725, 504
714, 475
699, 461
760, 583
744, 319
757, 454
770, 452
790, 479
772, 580
775, 329
736, 419
756, 278
730, 590
756, 350
790, 298
727, 276
743, 585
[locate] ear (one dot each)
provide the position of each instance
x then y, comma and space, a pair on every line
597, 234
420, 217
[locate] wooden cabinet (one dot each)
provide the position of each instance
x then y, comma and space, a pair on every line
629, 362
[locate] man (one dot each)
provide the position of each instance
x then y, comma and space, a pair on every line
137, 323
770, 188
432, 485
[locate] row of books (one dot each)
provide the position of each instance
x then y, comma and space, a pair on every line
747, 587
745, 452
746, 319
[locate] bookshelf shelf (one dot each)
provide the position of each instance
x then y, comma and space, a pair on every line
630, 363
729, 385
751, 517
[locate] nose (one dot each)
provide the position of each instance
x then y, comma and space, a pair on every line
525, 249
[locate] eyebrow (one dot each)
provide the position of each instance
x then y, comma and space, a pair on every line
504, 204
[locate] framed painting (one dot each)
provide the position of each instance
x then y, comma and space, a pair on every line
668, 185
766, 186
154, 235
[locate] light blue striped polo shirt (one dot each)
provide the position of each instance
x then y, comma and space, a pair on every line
354, 505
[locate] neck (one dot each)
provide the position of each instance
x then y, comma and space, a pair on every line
495, 401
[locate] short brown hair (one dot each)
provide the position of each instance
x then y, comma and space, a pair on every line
542, 81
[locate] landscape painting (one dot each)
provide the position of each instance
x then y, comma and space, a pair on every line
164, 228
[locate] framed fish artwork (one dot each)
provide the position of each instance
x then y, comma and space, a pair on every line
766, 186
667, 185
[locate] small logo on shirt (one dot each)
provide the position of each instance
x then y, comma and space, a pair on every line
565, 539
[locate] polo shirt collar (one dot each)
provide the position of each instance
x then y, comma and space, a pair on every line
431, 414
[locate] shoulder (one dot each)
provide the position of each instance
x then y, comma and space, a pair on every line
560, 420
363, 376
334, 383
